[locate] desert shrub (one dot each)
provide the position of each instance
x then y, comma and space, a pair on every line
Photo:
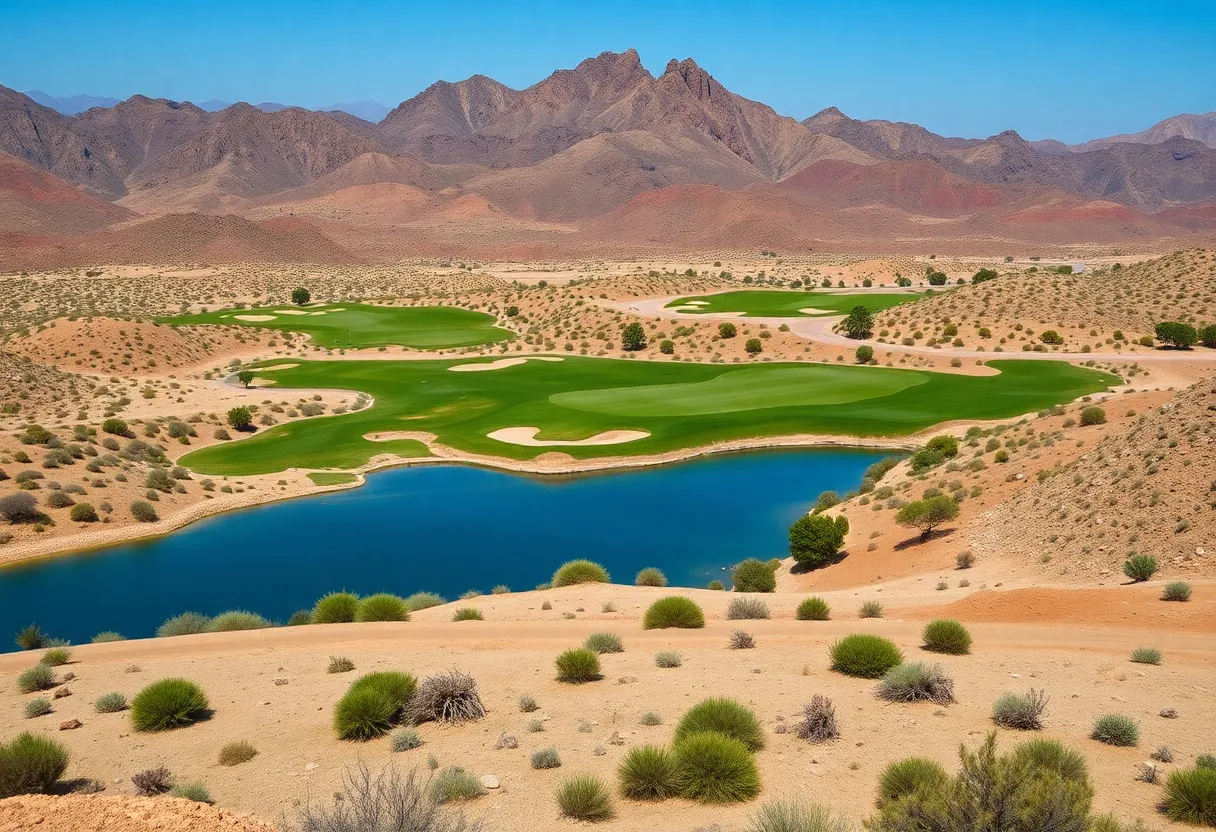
1092, 415
423, 600
388, 802
715, 585
30, 764
30, 638
1023, 712
382, 607
745, 609
650, 576
38, 677
83, 513
336, 608
56, 657
1190, 796
754, 576
673, 611
1116, 729
186, 624
813, 609
726, 717
235, 620
527, 704
578, 666
917, 682
339, 664
870, 609
964, 559
579, 572
37, 707
364, 714
168, 704
143, 512
1206, 761
585, 798
235, 753
818, 722
604, 643
468, 614
741, 640
20, 507
153, 781
864, 656
108, 636
715, 768
927, 514
947, 636
454, 784
905, 777
1140, 567
300, 618
404, 739
1146, 655
1044, 755
815, 539
110, 703
668, 658
546, 758
192, 791
793, 815
450, 697
648, 772
1177, 591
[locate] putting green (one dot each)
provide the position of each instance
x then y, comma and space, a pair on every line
678, 405
356, 325
731, 392
776, 303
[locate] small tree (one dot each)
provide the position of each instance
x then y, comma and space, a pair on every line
245, 377
865, 354
727, 330
935, 277
240, 418
1052, 337
1207, 336
118, 427
633, 337
816, 538
667, 346
859, 323
1178, 335
1092, 415
300, 296
753, 346
927, 514
984, 275
20, 508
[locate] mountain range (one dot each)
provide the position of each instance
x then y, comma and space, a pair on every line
602, 156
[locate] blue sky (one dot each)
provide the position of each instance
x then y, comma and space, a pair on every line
1069, 69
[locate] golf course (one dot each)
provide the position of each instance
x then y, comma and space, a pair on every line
775, 303
356, 326
623, 407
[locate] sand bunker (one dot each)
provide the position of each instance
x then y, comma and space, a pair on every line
391, 435
277, 367
500, 364
256, 319
810, 310
527, 436
290, 312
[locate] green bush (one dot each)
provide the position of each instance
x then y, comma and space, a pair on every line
404, 739
544, 758
186, 624
37, 707
754, 576
585, 798
927, 514
1146, 655
31, 638
947, 636
673, 611
144, 512
668, 659
382, 607
83, 513
870, 609
715, 585
373, 705
650, 576
168, 704
192, 791
814, 609
1207, 761
1044, 755
235, 620
648, 772
56, 656
917, 682
38, 677
714, 768
905, 777
1190, 796
579, 572
604, 643
578, 666
945, 445
336, 608
1116, 729
864, 656
794, 816
422, 601
1022, 712
815, 539
110, 703
454, 784
726, 717
1140, 567
30, 764
235, 753
468, 614
108, 636
1177, 591
1092, 415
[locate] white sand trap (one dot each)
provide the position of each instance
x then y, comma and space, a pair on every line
501, 364
255, 319
277, 367
527, 436
696, 303
810, 310
391, 435
314, 314
290, 312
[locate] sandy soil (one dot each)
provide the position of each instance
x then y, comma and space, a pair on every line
121, 813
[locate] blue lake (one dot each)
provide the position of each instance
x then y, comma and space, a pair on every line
441, 528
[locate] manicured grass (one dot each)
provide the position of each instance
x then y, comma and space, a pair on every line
355, 325
332, 478
696, 404
777, 303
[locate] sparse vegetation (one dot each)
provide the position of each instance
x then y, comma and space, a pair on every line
724, 716
673, 611
947, 636
1022, 712
648, 772
715, 768
1116, 729
813, 609
578, 666
585, 798
579, 572
864, 656
167, 705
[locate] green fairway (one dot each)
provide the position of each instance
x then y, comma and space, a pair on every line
332, 477
679, 405
355, 325
775, 303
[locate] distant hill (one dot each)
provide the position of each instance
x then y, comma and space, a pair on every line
1200, 128
71, 105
